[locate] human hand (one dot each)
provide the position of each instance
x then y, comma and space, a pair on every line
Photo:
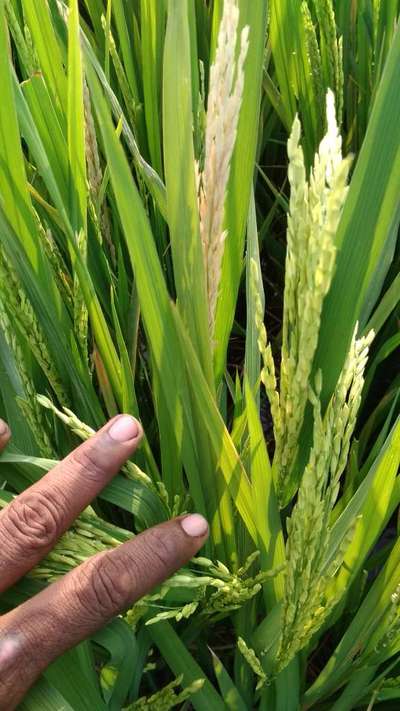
73, 608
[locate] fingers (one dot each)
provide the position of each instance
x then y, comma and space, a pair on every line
41, 629
5, 434
32, 523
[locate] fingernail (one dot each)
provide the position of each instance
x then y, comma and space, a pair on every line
194, 525
3, 428
124, 428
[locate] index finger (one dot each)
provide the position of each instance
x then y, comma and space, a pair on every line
32, 523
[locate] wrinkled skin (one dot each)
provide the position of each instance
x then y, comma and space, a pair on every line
84, 600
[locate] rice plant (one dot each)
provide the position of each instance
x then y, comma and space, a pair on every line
199, 220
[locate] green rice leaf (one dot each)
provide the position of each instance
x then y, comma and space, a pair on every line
182, 206
76, 126
52, 57
371, 212
267, 519
181, 662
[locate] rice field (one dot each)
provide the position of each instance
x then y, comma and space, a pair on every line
199, 226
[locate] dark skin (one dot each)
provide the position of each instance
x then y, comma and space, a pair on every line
72, 609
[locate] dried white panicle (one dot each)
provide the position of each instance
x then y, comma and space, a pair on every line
223, 108
308, 571
314, 213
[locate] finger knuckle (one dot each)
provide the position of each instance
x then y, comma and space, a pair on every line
89, 462
10, 648
161, 548
34, 522
101, 588
11, 656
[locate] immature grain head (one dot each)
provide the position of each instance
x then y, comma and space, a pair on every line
315, 207
309, 568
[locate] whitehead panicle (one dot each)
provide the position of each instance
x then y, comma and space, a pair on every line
223, 108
